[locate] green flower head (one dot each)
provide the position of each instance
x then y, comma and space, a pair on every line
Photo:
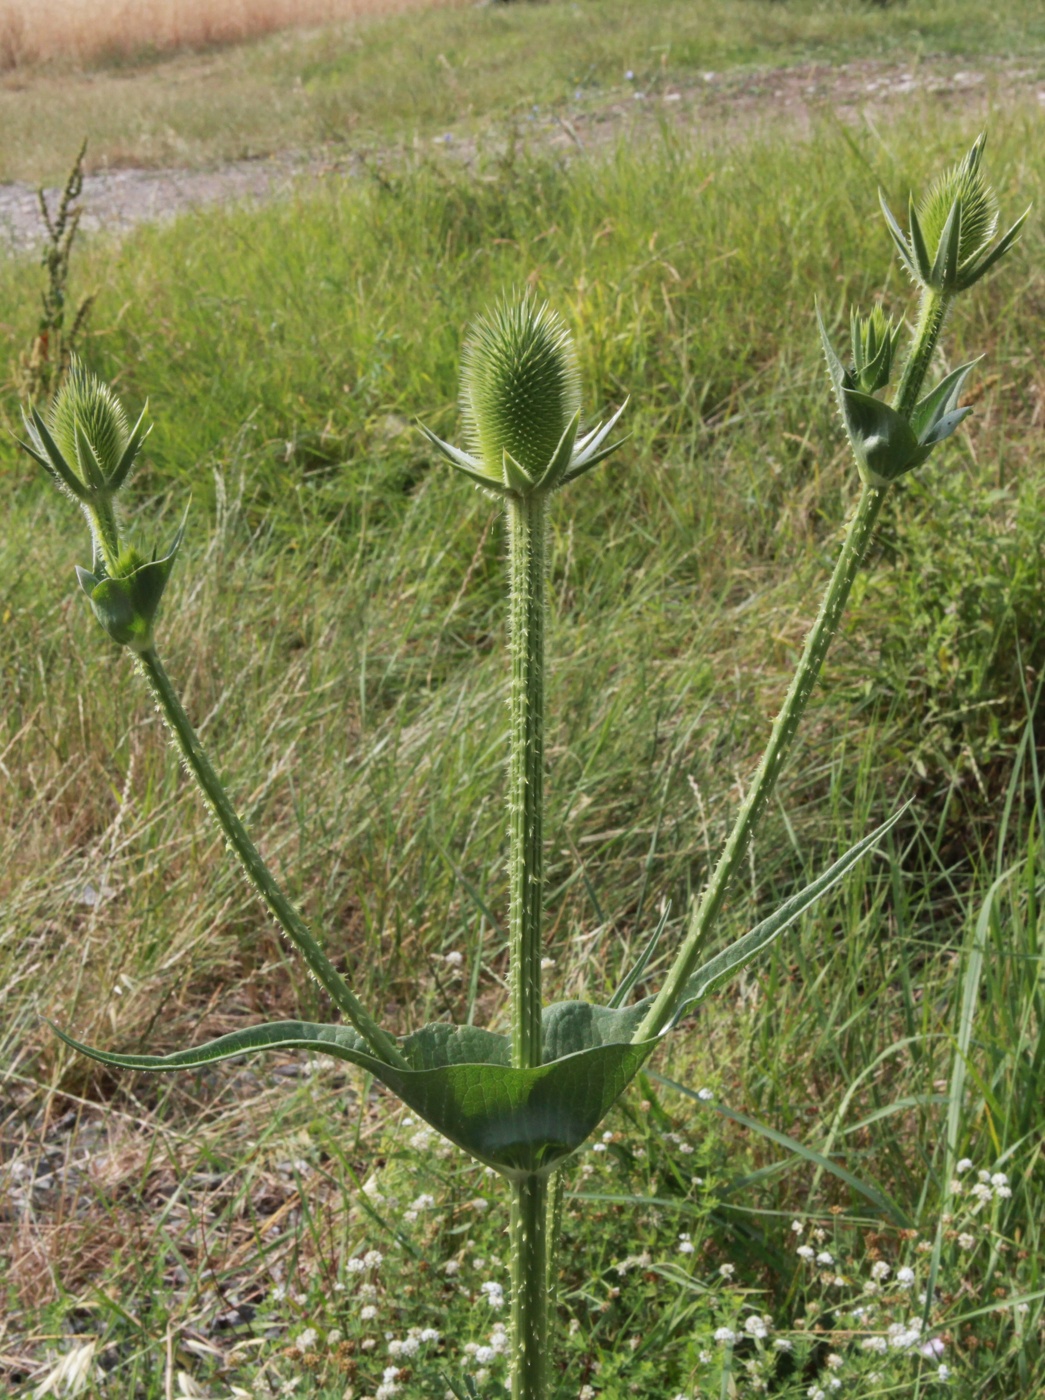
521, 403
948, 247
84, 442
520, 385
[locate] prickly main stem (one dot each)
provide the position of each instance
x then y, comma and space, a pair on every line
529, 1248
526, 530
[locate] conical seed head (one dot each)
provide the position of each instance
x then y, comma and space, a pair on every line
86, 402
520, 385
979, 208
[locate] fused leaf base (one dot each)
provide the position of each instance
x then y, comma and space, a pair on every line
460, 1079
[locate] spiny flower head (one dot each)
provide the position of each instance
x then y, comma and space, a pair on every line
87, 420
521, 402
947, 248
84, 443
962, 186
874, 339
520, 385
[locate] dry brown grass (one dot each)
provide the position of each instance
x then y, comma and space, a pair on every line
88, 30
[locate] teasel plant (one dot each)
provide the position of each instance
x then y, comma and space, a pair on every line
523, 1102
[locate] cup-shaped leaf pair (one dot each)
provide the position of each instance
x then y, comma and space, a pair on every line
460, 1079
885, 444
127, 601
520, 400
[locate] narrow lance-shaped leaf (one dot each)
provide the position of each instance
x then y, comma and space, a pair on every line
730, 961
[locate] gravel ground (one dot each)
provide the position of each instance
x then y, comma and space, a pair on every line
715, 105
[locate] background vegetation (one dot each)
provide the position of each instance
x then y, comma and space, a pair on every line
336, 621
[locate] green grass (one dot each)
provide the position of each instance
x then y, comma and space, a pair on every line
336, 622
375, 82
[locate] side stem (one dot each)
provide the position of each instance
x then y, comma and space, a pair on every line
529, 1250
817, 643
931, 316
526, 527
255, 869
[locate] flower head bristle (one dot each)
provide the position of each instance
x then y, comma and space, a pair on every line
520, 385
979, 207
84, 402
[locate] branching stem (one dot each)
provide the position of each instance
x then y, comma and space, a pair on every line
932, 314
255, 869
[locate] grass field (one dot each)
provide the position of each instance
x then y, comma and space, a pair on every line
337, 626
377, 82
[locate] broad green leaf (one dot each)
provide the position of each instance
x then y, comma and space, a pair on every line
460, 1080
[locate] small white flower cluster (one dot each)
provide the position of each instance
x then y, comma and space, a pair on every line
372, 1259
987, 1187
498, 1346
641, 1261
686, 1148
758, 1327
494, 1293
411, 1344
686, 1245
423, 1202
389, 1384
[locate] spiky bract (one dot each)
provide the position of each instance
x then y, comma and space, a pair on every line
947, 249
520, 385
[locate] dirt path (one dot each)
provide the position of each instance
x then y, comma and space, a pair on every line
714, 105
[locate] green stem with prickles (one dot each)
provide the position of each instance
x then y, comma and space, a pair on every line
819, 639
257, 872
931, 316
529, 1250
529, 1221
526, 529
